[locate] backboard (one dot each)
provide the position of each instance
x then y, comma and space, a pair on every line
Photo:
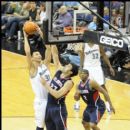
70, 34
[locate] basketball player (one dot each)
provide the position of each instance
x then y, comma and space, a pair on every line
89, 90
61, 84
90, 60
37, 69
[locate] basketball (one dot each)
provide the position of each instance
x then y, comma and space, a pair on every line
30, 27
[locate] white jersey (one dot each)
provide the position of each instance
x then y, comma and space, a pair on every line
91, 56
38, 88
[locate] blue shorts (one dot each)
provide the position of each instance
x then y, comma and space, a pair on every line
94, 114
56, 116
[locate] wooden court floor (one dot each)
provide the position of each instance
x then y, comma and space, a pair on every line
17, 99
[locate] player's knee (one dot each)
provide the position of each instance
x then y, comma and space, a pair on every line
86, 124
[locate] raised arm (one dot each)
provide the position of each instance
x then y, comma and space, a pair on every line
106, 59
27, 49
57, 94
95, 85
55, 56
47, 59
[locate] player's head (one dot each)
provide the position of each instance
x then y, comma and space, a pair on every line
83, 74
70, 69
36, 56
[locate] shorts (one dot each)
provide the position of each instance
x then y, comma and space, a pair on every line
94, 114
40, 110
96, 73
56, 117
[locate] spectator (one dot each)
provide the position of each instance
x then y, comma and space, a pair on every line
106, 17
116, 19
18, 7
13, 22
64, 19
4, 7
93, 24
24, 16
33, 11
106, 14
41, 13
8, 10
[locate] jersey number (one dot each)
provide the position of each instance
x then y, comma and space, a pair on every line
95, 55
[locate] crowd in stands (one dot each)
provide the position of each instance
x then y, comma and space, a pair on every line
15, 14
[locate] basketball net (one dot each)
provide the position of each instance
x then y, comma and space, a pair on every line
76, 47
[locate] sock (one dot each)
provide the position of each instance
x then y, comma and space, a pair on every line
38, 128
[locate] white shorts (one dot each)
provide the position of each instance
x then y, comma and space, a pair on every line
96, 73
40, 111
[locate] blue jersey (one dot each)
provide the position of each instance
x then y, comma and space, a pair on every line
57, 83
89, 95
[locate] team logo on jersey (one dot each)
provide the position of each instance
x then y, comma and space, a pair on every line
58, 82
111, 41
89, 52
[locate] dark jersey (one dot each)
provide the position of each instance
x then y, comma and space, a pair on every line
57, 83
90, 96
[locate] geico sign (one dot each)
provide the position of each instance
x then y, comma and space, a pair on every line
111, 41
